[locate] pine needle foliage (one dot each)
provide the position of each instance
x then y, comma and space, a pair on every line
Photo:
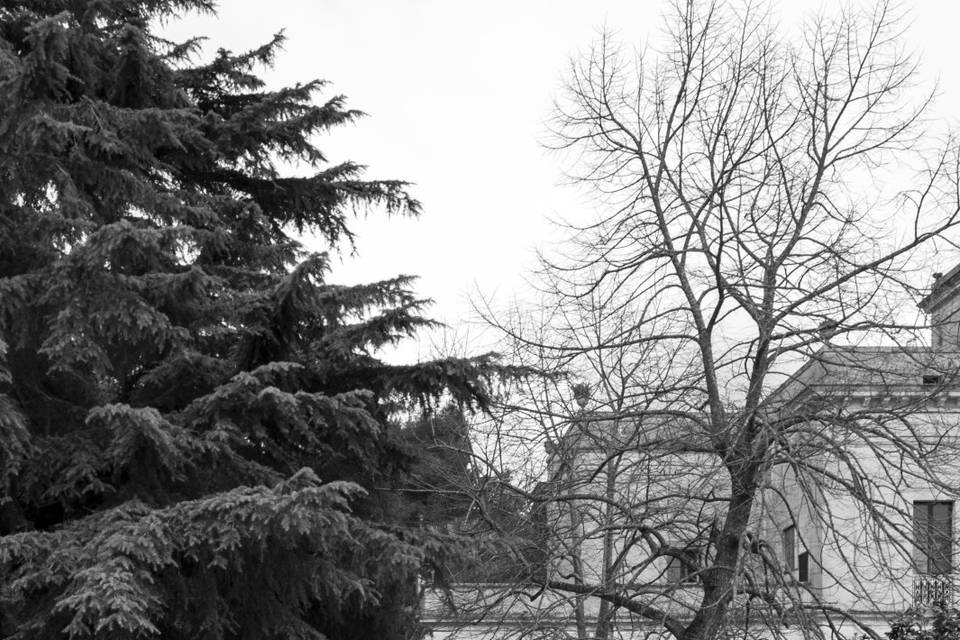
194, 424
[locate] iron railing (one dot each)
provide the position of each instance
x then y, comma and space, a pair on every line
933, 589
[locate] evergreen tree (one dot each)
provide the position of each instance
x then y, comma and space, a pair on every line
195, 432
440, 487
937, 621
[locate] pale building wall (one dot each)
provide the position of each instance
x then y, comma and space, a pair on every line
641, 480
943, 306
855, 564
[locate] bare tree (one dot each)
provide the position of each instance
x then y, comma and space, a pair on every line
768, 203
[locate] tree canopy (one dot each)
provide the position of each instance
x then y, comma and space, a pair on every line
194, 423
741, 306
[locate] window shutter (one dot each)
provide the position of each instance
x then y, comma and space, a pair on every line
921, 528
941, 534
803, 567
673, 571
790, 548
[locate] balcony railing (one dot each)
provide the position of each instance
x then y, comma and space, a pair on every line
930, 590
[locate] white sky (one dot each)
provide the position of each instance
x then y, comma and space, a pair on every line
457, 95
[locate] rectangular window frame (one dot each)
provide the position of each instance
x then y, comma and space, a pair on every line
684, 573
934, 545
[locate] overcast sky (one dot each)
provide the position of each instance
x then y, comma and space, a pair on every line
457, 95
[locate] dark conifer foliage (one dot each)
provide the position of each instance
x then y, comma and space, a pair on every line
194, 425
441, 486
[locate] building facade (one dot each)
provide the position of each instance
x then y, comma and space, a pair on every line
855, 521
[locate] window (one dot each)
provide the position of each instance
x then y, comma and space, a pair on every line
803, 567
790, 547
793, 561
683, 571
933, 535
